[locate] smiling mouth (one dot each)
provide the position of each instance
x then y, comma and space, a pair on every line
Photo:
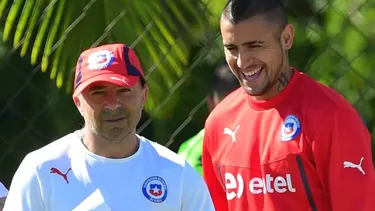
253, 74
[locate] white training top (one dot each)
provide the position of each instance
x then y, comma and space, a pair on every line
64, 176
3, 191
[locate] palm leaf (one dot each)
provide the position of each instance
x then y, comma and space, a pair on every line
52, 33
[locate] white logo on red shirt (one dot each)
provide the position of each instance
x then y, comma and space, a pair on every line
348, 164
228, 131
235, 185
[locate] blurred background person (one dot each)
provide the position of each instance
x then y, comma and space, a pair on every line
224, 82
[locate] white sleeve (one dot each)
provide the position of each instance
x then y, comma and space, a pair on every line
3, 191
24, 192
195, 194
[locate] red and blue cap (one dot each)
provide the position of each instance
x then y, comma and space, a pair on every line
113, 63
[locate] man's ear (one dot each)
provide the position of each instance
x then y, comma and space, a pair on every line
77, 101
287, 37
144, 96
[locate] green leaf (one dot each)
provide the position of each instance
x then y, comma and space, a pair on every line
42, 31
3, 4
25, 17
37, 9
51, 39
11, 18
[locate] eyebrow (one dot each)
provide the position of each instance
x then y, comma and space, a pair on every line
253, 42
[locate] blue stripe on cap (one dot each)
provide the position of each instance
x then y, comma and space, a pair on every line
79, 75
131, 69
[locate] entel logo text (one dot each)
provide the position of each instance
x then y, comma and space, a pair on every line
235, 187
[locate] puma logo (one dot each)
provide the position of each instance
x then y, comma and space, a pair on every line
228, 131
58, 172
122, 80
348, 164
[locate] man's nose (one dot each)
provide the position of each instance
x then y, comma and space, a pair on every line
243, 61
112, 102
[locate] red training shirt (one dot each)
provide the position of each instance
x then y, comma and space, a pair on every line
305, 149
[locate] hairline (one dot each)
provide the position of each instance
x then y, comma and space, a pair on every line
265, 16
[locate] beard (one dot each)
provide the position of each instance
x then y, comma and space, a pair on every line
113, 126
112, 136
273, 79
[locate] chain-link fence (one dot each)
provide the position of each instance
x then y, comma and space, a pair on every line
334, 44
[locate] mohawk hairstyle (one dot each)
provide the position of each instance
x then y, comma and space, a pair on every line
239, 10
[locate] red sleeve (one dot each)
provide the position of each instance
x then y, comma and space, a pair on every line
342, 152
217, 192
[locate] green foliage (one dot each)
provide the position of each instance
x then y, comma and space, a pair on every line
337, 49
54, 33
343, 57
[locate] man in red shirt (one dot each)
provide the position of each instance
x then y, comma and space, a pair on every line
283, 141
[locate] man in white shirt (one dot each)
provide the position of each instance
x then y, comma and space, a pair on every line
3, 195
106, 165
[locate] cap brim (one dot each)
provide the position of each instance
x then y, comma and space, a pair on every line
117, 79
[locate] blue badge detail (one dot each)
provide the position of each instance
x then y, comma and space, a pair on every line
101, 59
291, 128
155, 189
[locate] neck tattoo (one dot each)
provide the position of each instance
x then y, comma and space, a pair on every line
283, 79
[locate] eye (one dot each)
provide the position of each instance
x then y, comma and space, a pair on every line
124, 90
231, 48
233, 51
98, 92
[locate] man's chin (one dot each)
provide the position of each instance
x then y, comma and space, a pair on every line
254, 92
257, 91
117, 134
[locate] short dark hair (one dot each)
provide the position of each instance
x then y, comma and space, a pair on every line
239, 10
143, 81
224, 81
